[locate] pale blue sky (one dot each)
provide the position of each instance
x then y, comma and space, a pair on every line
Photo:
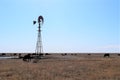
70, 25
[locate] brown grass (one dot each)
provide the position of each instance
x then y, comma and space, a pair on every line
57, 67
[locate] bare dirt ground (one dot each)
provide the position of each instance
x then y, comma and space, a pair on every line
58, 67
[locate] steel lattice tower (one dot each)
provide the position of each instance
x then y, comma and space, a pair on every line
39, 46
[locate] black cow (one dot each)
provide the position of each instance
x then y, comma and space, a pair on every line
27, 57
89, 54
3, 54
107, 55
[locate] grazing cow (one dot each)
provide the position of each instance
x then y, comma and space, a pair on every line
27, 57
47, 54
14, 54
64, 54
3, 54
20, 56
118, 54
34, 54
75, 54
41, 54
107, 55
89, 54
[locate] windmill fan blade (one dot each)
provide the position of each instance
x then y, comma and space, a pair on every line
34, 22
40, 19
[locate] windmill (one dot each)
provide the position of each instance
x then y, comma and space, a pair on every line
39, 47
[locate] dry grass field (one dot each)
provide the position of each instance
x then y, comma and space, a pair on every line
58, 67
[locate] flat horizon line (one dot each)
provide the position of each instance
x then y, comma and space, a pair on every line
63, 52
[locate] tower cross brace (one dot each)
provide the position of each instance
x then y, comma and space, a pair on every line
39, 46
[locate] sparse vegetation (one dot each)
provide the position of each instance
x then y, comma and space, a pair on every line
56, 67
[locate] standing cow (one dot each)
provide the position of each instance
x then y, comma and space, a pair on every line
107, 55
27, 57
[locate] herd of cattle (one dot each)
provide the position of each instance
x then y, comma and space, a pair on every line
28, 57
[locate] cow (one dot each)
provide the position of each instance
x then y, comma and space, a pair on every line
64, 54
3, 54
107, 55
89, 54
47, 54
19, 56
27, 57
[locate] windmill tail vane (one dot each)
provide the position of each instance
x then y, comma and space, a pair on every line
34, 22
